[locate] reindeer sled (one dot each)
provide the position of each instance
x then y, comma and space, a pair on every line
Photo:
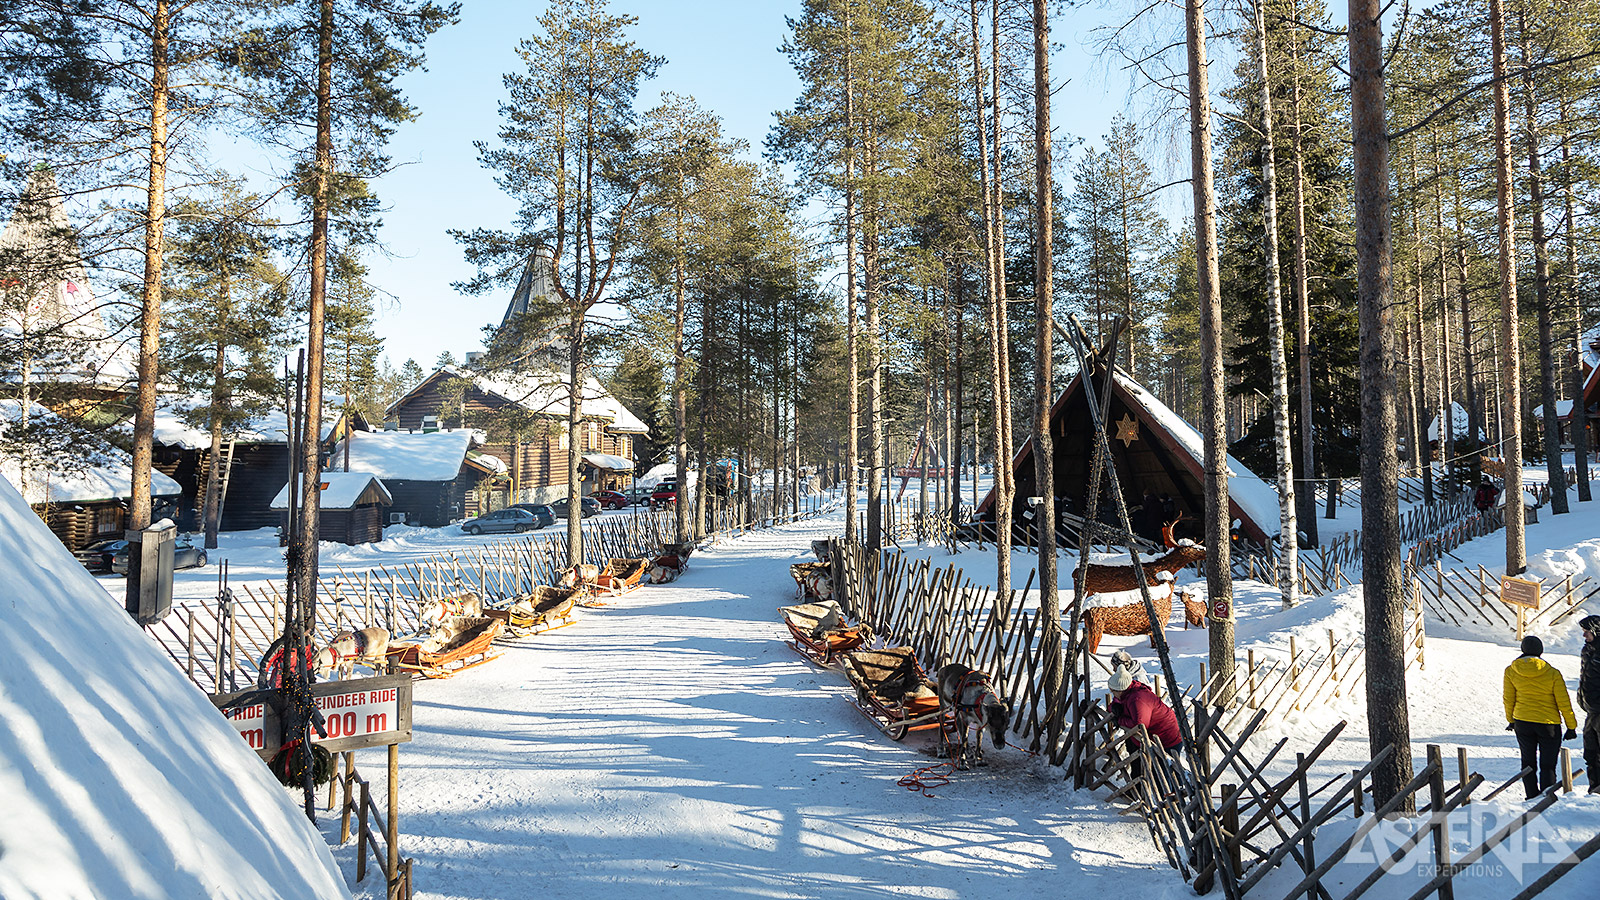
622, 575
546, 608
895, 694
820, 632
459, 643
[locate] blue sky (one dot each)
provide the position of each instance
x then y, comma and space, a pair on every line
722, 52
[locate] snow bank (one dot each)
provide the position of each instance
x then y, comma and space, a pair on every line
120, 778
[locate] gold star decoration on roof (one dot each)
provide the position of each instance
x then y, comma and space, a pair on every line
1127, 430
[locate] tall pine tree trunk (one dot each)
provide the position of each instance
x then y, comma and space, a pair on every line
144, 416
1302, 304
1579, 420
311, 422
211, 511
1043, 289
1556, 472
1213, 411
1446, 414
1383, 588
852, 445
680, 389
1288, 552
1509, 369
993, 282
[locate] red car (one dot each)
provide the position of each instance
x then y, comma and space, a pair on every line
611, 500
665, 494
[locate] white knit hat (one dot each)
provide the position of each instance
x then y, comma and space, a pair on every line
1121, 679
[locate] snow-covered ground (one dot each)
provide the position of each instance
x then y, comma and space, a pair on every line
669, 743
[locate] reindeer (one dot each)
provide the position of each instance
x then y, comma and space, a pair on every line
585, 575
369, 646
970, 699
1100, 579
1132, 619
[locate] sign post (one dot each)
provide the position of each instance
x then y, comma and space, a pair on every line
358, 713
1522, 593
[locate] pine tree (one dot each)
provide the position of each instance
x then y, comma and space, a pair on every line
353, 347
566, 154
227, 321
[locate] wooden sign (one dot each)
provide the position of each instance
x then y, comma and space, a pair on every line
357, 712
1521, 592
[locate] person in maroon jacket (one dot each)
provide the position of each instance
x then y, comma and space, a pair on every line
1134, 704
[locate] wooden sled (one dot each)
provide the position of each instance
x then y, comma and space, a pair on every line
821, 648
545, 609
894, 692
622, 575
458, 644
806, 575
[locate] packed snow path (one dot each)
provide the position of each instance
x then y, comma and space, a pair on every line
670, 745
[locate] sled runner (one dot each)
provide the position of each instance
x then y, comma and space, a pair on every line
458, 644
894, 692
820, 633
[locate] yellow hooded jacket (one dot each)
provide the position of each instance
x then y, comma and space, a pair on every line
1536, 692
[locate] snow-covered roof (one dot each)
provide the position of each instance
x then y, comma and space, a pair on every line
268, 428
109, 475
1459, 420
607, 461
342, 490
120, 786
547, 393
1563, 410
403, 456
1257, 497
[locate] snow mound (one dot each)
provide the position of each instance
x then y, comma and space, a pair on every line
120, 778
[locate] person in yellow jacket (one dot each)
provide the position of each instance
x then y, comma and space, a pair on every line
1536, 702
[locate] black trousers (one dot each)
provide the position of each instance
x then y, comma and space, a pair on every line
1541, 747
1591, 747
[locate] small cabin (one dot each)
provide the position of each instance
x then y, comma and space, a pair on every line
352, 509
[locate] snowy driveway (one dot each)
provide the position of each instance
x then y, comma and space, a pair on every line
670, 745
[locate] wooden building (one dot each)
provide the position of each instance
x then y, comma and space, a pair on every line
535, 454
1155, 451
254, 461
434, 477
89, 504
352, 510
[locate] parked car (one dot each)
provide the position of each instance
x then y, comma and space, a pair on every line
638, 496
502, 521
185, 555
97, 556
665, 494
589, 506
543, 512
611, 499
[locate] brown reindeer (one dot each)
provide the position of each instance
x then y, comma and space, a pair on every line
1098, 579
1132, 619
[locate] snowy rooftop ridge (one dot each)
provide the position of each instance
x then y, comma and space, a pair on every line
121, 786
1256, 496
547, 393
399, 456
341, 490
108, 477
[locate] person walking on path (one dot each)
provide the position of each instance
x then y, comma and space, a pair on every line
1536, 702
1589, 698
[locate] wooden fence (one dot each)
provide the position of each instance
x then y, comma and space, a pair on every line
1264, 817
218, 644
